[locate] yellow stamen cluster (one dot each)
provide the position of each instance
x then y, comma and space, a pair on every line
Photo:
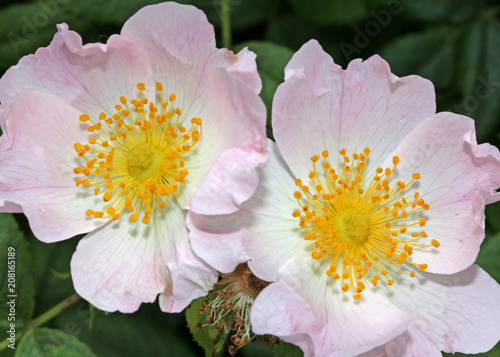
134, 158
364, 230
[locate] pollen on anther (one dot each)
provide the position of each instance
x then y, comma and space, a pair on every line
435, 243
84, 118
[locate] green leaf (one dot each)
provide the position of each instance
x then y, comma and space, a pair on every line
287, 350
19, 287
480, 75
492, 214
147, 332
45, 342
292, 31
488, 256
271, 62
256, 348
209, 339
244, 14
465, 60
429, 54
329, 12
51, 289
62, 276
111, 11
440, 11
25, 27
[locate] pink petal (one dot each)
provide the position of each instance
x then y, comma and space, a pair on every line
36, 162
280, 310
233, 127
456, 175
451, 313
232, 180
322, 107
122, 264
217, 86
183, 31
305, 307
406, 345
224, 240
269, 211
218, 240
242, 66
180, 43
91, 77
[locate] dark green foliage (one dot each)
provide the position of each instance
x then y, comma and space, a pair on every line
453, 43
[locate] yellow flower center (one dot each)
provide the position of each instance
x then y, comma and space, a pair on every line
134, 158
354, 226
363, 231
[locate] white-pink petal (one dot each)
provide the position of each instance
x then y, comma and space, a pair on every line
456, 174
322, 107
182, 52
36, 161
218, 240
234, 127
91, 78
124, 264
338, 325
451, 313
263, 225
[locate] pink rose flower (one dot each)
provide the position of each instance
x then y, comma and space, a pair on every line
118, 140
367, 219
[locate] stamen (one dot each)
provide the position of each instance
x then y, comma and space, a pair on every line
234, 296
135, 160
365, 229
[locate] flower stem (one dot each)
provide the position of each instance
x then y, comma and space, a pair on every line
226, 24
44, 318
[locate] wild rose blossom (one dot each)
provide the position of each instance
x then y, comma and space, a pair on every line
120, 139
368, 218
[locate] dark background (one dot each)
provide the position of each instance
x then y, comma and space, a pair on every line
454, 43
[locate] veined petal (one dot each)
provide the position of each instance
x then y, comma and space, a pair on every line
218, 240
456, 175
408, 344
233, 127
336, 324
122, 265
451, 313
263, 225
183, 53
91, 77
241, 66
322, 107
37, 157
